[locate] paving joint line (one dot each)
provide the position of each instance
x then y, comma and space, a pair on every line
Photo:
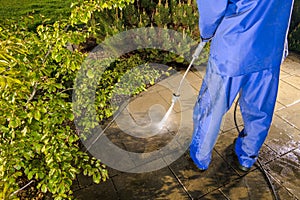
295, 127
289, 83
221, 186
223, 194
115, 188
180, 183
288, 152
228, 163
289, 105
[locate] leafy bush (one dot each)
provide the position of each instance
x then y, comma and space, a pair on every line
294, 35
38, 140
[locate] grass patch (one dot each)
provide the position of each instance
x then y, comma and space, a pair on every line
52, 9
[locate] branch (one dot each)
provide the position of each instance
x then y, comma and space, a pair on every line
35, 84
25, 186
33, 93
66, 90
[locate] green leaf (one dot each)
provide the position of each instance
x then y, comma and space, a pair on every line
4, 62
30, 175
41, 175
43, 110
37, 115
12, 124
96, 178
179, 59
44, 188
17, 167
90, 74
70, 116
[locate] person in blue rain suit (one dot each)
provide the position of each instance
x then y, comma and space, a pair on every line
248, 44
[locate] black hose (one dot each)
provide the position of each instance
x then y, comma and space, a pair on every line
234, 115
262, 169
268, 180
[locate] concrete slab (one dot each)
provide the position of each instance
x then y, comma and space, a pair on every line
282, 136
267, 154
279, 106
198, 183
187, 98
199, 71
291, 114
167, 95
251, 186
291, 66
287, 94
84, 181
102, 191
195, 80
140, 107
283, 193
293, 80
160, 184
286, 171
225, 148
217, 194
228, 119
284, 74
173, 81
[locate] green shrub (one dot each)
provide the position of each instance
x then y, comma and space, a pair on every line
38, 140
294, 35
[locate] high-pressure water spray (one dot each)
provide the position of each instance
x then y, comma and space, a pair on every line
176, 95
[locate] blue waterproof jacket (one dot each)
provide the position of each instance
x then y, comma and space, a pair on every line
247, 35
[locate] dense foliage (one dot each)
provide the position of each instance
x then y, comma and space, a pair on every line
294, 35
37, 139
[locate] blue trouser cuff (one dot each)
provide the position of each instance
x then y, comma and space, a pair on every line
202, 163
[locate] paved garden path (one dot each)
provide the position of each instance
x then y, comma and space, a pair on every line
180, 179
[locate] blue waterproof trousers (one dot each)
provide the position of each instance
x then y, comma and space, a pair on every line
258, 92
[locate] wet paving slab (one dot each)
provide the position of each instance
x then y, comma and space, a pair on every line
217, 194
286, 171
283, 137
225, 148
92, 191
251, 186
161, 184
199, 183
228, 122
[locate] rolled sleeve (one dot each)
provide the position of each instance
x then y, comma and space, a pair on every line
211, 14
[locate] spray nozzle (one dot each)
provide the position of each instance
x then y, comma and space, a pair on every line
175, 97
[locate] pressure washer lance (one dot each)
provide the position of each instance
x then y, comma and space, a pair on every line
176, 95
